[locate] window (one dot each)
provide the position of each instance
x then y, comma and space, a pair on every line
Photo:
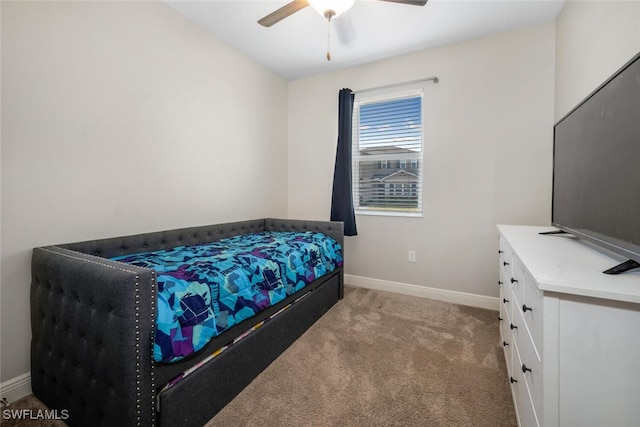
387, 153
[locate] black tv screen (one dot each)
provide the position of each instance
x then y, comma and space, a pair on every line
596, 165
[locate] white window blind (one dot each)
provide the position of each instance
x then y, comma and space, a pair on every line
387, 154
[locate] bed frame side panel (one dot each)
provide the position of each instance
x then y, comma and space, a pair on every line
92, 327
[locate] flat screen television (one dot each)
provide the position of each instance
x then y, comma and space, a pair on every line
596, 167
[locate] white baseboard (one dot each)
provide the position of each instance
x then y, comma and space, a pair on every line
16, 388
463, 298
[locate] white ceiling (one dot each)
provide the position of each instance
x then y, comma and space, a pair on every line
372, 30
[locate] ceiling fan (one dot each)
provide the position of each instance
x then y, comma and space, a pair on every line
328, 8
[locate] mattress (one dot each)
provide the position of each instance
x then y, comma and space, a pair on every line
206, 289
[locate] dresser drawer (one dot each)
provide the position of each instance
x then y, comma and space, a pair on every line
526, 413
531, 309
506, 303
505, 309
530, 364
506, 338
505, 257
517, 281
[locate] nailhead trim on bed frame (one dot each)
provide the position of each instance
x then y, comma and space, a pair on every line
153, 380
138, 357
137, 326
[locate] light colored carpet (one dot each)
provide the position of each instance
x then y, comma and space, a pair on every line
380, 359
383, 359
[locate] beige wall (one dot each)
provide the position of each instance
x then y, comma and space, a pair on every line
94, 120
120, 118
487, 157
594, 39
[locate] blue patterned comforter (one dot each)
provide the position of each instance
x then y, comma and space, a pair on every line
204, 290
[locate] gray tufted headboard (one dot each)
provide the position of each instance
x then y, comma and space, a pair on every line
108, 248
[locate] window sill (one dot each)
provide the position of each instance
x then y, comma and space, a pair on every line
389, 213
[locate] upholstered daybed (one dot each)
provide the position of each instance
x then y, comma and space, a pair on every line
93, 324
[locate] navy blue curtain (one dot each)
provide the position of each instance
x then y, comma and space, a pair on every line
342, 197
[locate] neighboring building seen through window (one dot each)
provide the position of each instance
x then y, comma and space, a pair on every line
387, 154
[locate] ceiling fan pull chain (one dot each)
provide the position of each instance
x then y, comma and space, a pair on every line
328, 38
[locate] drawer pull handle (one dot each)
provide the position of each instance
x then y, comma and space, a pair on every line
500, 252
505, 263
504, 300
500, 319
525, 308
525, 369
512, 326
504, 343
512, 380
500, 283
514, 280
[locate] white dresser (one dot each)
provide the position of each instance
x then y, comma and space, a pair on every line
571, 334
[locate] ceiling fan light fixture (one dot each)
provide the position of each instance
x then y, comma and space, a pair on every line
332, 8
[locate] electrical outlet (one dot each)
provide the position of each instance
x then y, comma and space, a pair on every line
412, 256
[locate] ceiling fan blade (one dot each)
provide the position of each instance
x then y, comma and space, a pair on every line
409, 2
286, 10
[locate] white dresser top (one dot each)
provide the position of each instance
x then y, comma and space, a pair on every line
562, 264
